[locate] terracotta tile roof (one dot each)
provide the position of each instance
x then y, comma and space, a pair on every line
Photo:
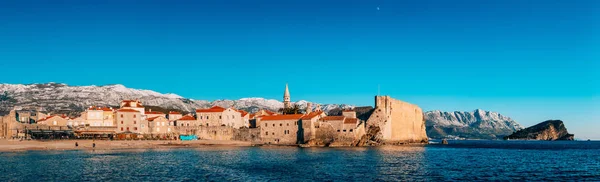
153, 118
244, 113
48, 117
187, 118
350, 121
282, 117
269, 112
252, 116
174, 112
329, 118
127, 110
312, 115
153, 112
212, 109
128, 103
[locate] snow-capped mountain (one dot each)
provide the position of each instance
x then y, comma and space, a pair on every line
477, 124
54, 97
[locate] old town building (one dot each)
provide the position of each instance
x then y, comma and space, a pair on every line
160, 125
173, 115
130, 120
280, 129
54, 120
218, 116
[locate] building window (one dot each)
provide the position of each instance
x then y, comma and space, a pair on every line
134, 116
220, 117
338, 130
350, 130
267, 133
121, 115
344, 130
232, 117
288, 124
266, 125
206, 117
134, 122
127, 128
280, 124
121, 128
273, 124
188, 124
200, 117
273, 133
135, 128
206, 124
121, 122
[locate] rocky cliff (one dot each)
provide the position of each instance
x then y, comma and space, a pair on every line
62, 98
547, 130
478, 124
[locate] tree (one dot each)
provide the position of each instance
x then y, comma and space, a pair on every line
292, 110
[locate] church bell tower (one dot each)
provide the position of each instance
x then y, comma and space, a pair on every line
286, 98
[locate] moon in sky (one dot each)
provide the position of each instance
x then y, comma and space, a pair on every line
377, 8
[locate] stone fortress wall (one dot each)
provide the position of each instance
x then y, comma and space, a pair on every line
398, 121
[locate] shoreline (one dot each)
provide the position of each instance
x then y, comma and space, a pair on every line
51, 145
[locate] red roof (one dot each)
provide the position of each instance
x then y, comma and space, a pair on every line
244, 113
329, 118
269, 112
350, 121
282, 117
127, 110
187, 117
174, 112
312, 115
154, 112
48, 117
212, 109
128, 103
153, 118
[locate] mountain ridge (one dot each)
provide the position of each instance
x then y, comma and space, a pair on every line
477, 124
59, 96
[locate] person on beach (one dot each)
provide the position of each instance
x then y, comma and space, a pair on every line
93, 145
76, 144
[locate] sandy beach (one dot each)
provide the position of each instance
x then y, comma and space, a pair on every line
15, 145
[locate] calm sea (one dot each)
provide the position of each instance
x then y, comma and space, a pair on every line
460, 160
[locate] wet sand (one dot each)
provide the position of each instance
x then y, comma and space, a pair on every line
15, 145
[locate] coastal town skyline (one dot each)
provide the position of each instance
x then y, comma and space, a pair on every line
532, 61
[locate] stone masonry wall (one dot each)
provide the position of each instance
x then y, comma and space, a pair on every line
398, 121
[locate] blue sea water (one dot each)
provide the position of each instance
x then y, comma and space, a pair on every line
460, 160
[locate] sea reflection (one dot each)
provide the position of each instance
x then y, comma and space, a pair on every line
386, 163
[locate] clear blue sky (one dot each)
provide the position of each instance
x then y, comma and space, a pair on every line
530, 60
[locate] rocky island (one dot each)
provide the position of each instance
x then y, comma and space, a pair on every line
547, 130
